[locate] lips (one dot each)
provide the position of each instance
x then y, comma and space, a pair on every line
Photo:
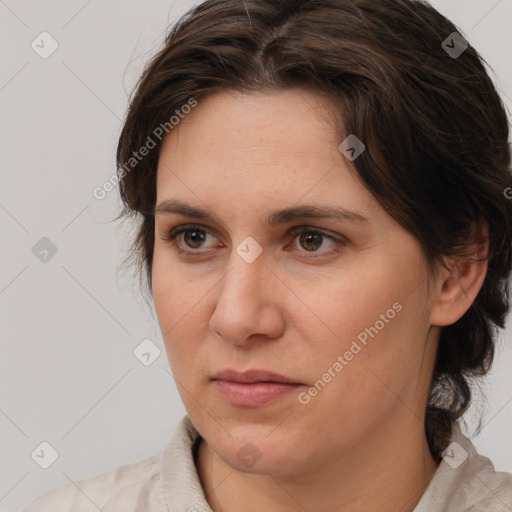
253, 388
251, 376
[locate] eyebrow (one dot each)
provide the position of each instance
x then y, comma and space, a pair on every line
275, 217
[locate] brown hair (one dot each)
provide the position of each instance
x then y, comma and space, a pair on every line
437, 156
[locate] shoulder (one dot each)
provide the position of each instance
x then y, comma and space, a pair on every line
133, 486
467, 481
151, 484
488, 490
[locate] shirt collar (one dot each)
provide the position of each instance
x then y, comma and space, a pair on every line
462, 478
181, 486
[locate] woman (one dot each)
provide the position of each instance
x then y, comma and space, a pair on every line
326, 235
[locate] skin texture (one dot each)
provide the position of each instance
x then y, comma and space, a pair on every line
359, 444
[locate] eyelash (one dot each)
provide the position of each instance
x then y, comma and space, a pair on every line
171, 236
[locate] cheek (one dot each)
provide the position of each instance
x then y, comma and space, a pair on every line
175, 293
375, 318
347, 307
178, 306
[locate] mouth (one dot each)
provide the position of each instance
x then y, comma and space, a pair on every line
253, 388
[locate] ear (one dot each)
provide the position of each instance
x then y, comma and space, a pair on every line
458, 284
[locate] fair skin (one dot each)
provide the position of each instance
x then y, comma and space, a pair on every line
358, 444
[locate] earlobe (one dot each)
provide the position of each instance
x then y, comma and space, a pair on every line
461, 280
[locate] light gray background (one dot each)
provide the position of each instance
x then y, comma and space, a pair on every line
70, 325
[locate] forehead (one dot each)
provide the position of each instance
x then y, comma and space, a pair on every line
271, 127
258, 150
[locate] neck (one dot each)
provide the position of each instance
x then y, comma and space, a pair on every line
387, 473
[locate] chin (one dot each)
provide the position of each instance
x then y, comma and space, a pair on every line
252, 459
259, 450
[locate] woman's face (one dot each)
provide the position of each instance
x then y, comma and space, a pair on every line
345, 314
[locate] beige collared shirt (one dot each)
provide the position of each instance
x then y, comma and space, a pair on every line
464, 482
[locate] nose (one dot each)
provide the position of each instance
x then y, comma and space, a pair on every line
248, 302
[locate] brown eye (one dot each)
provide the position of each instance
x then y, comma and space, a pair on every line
194, 241
315, 242
190, 235
310, 241
193, 238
